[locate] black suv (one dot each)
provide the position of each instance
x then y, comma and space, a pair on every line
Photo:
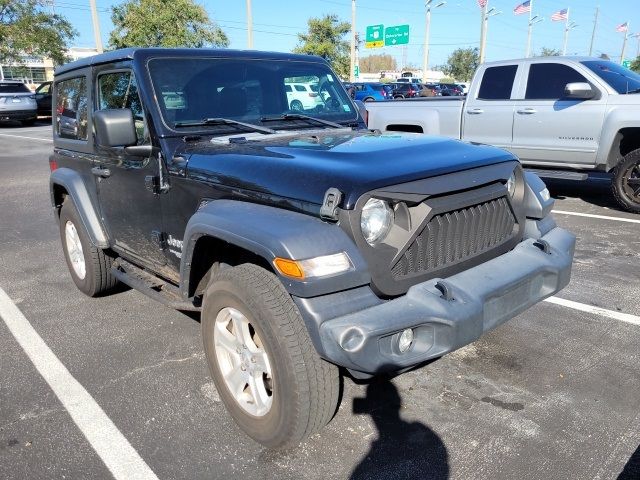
307, 242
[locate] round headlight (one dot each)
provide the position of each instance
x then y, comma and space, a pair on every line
511, 184
376, 220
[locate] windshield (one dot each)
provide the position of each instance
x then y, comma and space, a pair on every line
247, 90
621, 79
14, 88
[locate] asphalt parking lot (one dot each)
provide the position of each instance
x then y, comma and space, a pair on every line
552, 394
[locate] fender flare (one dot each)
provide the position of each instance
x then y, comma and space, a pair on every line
271, 232
72, 182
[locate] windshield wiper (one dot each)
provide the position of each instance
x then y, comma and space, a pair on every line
635, 90
299, 116
225, 121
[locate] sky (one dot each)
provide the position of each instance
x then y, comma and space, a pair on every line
276, 24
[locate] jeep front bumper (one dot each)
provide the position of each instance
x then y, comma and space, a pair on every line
479, 299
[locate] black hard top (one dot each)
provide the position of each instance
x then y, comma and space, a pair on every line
130, 53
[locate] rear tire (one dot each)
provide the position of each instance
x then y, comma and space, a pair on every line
296, 106
286, 392
368, 99
625, 183
89, 266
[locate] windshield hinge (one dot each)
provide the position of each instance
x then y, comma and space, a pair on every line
329, 209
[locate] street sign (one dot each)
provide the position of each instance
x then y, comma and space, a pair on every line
626, 63
397, 35
374, 36
356, 71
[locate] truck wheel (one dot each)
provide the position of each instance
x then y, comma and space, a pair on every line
265, 368
626, 182
90, 268
297, 106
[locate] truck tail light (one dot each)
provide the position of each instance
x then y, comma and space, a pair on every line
53, 164
313, 94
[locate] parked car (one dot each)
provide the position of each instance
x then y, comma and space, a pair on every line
562, 116
369, 91
406, 90
450, 90
43, 99
306, 242
301, 96
17, 102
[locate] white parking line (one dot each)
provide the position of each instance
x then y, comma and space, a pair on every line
590, 215
22, 136
623, 317
112, 447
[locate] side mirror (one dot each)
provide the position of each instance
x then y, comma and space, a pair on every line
579, 91
115, 128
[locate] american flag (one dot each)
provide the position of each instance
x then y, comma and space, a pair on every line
560, 15
524, 7
482, 3
623, 27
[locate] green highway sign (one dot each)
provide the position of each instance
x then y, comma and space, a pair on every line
626, 63
374, 36
397, 35
356, 71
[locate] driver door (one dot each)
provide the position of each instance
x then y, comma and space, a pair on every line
130, 211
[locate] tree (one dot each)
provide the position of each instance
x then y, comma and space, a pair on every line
635, 65
549, 52
377, 63
27, 28
164, 23
462, 64
326, 39
604, 56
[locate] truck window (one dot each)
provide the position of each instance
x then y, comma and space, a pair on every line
547, 80
497, 83
119, 90
71, 109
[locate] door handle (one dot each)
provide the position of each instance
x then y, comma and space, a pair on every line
527, 111
475, 111
101, 172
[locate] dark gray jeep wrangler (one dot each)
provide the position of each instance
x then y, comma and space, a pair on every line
208, 181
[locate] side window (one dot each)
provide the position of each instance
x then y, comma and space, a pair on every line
547, 80
44, 88
287, 88
497, 83
300, 88
119, 90
71, 109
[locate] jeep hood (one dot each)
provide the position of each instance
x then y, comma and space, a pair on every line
302, 166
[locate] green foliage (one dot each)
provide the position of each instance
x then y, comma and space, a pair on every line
28, 28
377, 63
326, 39
635, 65
462, 64
549, 52
164, 23
447, 80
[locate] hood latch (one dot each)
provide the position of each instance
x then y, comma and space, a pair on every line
329, 208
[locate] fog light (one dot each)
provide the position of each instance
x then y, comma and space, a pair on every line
405, 340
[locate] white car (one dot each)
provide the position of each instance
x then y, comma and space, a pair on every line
301, 96
17, 102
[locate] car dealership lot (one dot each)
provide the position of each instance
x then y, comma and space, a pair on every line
551, 394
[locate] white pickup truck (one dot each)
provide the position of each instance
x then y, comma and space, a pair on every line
562, 116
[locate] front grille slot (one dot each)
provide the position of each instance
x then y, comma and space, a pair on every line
453, 237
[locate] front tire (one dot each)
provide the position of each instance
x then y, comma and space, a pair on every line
626, 182
89, 266
265, 368
296, 106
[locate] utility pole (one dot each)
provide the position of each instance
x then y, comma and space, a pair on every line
352, 65
96, 26
624, 43
357, 59
427, 28
249, 26
593, 34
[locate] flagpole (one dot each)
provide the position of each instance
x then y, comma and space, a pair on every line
624, 43
483, 30
566, 34
530, 28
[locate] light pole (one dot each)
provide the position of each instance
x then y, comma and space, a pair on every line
568, 26
352, 65
624, 43
96, 26
484, 27
532, 21
249, 26
427, 28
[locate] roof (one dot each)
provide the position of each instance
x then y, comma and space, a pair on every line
569, 58
130, 53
